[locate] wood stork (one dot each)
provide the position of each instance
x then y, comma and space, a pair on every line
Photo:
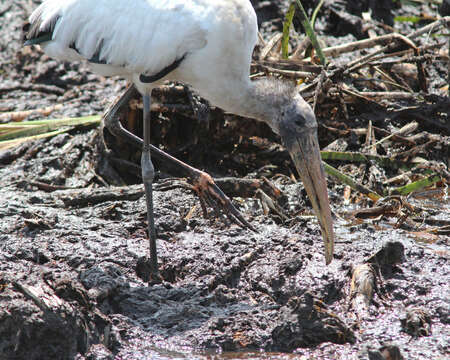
206, 44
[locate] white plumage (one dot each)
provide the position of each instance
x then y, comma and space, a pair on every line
145, 36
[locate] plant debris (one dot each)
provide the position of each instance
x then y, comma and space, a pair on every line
73, 216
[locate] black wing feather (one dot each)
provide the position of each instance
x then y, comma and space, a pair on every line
168, 69
36, 35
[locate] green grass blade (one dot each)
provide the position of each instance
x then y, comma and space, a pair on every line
350, 182
315, 12
286, 28
416, 186
310, 32
13, 131
365, 158
6, 144
411, 19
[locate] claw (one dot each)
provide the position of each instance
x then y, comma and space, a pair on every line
209, 192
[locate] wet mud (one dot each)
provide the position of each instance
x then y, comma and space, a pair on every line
73, 243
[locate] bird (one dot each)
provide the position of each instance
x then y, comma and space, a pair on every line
207, 45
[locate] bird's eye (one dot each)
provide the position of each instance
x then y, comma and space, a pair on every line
300, 121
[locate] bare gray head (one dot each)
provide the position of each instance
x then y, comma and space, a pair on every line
280, 105
277, 102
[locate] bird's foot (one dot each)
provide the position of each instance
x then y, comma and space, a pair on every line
154, 278
209, 193
146, 272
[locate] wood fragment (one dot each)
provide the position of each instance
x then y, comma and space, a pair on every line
268, 204
288, 73
49, 187
390, 209
274, 40
430, 28
362, 288
89, 197
46, 89
16, 116
416, 322
389, 80
370, 139
318, 90
261, 39
42, 296
376, 96
364, 44
405, 130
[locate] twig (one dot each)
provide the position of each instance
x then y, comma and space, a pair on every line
405, 130
343, 105
261, 39
364, 44
48, 89
49, 187
411, 140
390, 80
355, 64
21, 115
287, 73
430, 27
290, 64
380, 95
410, 59
322, 77
270, 45
433, 26
370, 139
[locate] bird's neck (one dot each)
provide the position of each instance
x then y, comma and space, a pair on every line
248, 99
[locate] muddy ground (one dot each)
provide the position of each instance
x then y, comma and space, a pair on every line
73, 231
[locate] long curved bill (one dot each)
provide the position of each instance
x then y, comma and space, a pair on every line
304, 151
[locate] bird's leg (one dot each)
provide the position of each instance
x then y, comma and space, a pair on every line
148, 174
204, 185
112, 118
